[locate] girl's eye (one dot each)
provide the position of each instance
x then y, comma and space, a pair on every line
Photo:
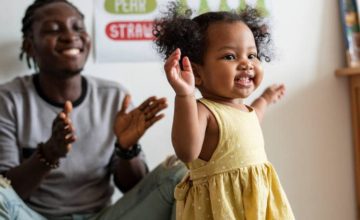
229, 57
252, 56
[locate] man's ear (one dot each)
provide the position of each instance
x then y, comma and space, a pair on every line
28, 48
197, 70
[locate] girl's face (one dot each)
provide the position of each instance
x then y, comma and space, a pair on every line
59, 41
231, 69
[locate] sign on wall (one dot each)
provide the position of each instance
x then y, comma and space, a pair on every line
123, 28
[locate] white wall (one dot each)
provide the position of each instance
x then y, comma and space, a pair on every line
308, 134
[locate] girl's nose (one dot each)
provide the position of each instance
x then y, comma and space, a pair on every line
245, 65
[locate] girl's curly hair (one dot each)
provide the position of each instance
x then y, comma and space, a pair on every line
176, 29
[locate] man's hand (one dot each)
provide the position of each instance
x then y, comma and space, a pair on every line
129, 127
63, 134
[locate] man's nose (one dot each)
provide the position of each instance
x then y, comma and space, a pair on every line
69, 35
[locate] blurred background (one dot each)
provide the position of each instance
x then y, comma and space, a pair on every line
308, 134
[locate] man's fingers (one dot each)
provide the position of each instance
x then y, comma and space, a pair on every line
70, 138
68, 107
152, 121
68, 147
151, 114
69, 128
62, 116
146, 103
160, 103
125, 104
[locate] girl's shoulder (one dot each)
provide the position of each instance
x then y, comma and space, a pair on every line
203, 106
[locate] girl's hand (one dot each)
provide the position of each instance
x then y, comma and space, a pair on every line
63, 134
182, 81
129, 127
273, 93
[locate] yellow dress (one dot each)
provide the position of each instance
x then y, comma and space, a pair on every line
238, 182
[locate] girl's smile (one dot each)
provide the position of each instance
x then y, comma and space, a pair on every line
244, 80
231, 69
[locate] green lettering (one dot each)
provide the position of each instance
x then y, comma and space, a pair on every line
130, 6
224, 6
262, 8
242, 5
204, 7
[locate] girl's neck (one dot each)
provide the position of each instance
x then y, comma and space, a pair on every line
233, 102
59, 89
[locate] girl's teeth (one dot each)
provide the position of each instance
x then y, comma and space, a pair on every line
243, 80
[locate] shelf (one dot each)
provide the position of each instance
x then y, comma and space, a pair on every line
348, 71
354, 79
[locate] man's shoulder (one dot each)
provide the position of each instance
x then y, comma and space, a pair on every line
19, 84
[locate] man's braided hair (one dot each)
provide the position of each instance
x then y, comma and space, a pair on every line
28, 21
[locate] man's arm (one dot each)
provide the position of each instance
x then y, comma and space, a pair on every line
271, 95
26, 177
129, 127
129, 172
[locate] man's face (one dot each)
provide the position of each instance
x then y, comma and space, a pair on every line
59, 42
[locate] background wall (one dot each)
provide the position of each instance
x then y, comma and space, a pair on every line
308, 133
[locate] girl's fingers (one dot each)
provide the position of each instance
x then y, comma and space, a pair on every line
186, 64
172, 61
172, 68
172, 57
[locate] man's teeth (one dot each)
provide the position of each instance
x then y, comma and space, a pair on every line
71, 52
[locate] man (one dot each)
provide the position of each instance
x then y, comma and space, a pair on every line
58, 130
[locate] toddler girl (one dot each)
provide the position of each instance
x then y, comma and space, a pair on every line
218, 136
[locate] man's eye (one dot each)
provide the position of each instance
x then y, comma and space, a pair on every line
229, 57
79, 26
52, 28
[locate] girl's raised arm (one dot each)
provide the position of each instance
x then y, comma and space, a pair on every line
188, 128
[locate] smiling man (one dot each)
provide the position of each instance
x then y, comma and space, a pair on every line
64, 136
